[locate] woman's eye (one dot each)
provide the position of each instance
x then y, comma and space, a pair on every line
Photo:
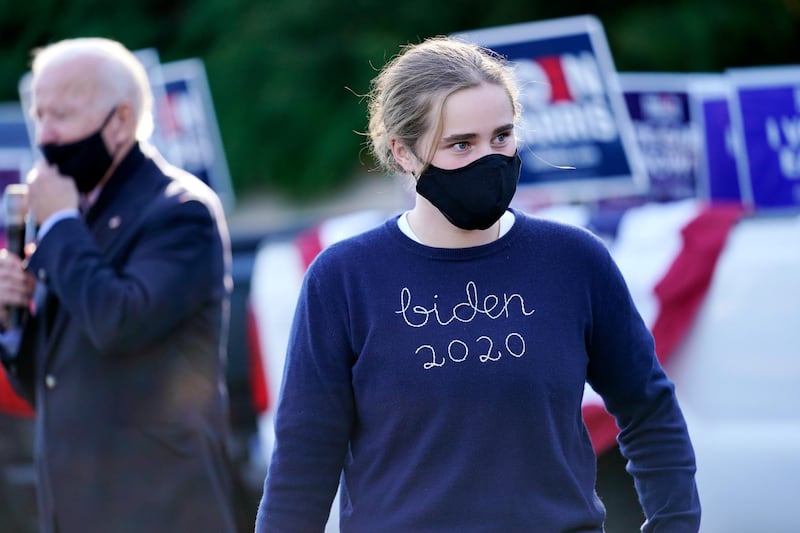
501, 138
461, 146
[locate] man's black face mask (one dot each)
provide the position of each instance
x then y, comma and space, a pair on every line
86, 161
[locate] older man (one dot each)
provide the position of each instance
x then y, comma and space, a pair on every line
122, 355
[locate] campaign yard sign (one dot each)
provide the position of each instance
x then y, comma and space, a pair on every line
575, 138
15, 147
717, 172
187, 123
765, 112
666, 131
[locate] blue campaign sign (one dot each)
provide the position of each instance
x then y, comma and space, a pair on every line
766, 114
188, 125
575, 139
666, 131
718, 176
16, 157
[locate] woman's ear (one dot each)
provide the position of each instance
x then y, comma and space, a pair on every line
404, 156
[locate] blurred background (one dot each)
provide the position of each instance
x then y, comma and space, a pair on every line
286, 75
284, 82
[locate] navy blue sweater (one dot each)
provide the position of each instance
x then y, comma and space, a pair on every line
446, 386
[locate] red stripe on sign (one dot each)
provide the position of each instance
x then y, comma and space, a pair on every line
559, 90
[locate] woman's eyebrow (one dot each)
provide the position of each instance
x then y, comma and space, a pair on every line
458, 137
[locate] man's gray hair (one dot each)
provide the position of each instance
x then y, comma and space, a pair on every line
120, 74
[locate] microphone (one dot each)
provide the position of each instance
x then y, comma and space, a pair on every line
15, 210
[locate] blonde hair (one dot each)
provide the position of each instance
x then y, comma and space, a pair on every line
120, 75
407, 95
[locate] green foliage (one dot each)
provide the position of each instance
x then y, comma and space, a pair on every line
288, 76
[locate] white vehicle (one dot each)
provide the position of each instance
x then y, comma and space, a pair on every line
737, 376
735, 370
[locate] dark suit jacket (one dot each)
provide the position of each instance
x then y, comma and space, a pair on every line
124, 359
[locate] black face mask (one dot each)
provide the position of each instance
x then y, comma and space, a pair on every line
86, 161
474, 196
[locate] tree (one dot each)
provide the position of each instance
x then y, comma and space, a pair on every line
287, 76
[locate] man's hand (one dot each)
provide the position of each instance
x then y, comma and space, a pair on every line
49, 191
16, 285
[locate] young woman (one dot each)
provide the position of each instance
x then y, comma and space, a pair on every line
438, 361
